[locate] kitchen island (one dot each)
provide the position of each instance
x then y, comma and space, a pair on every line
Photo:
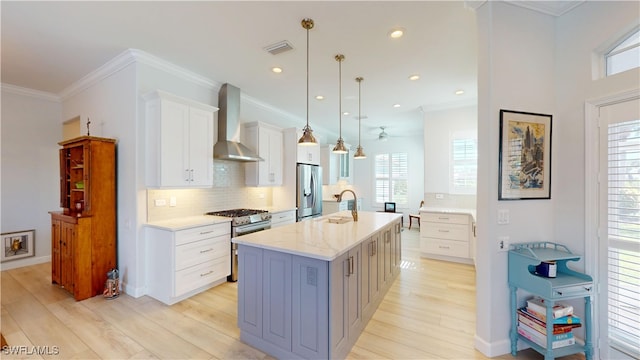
307, 290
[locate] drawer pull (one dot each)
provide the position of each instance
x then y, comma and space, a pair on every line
443, 218
206, 232
443, 247
443, 231
207, 273
206, 251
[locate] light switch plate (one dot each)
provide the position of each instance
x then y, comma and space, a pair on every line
503, 216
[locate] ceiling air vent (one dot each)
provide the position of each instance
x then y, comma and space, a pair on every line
279, 47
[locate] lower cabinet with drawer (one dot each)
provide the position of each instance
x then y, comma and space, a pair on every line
282, 218
447, 236
185, 262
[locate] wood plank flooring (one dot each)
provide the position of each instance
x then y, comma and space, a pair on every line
429, 313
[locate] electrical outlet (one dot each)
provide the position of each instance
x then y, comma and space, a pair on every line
161, 202
173, 201
503, 243
439, 196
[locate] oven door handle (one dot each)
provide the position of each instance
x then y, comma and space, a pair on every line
248, 229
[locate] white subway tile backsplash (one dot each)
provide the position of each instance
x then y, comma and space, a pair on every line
228, 192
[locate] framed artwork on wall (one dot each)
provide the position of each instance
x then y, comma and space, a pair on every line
17, 245
525, 156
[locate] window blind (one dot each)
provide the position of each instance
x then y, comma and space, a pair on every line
391, 173
464, 166
624, 236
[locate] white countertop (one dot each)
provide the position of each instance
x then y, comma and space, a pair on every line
318, 238
471, 212
188, 222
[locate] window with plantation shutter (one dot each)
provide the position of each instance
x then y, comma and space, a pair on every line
391, 178
624, 236
463, 166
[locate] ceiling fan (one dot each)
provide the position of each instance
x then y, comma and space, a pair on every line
383, 136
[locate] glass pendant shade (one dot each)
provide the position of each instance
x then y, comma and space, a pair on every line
359, 151
340, 148
307, 138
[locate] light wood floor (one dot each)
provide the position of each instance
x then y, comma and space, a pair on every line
429, 313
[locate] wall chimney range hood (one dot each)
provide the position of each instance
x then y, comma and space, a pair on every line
228, 146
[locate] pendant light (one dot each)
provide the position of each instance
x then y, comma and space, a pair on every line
339, 148
307, 138
359, 152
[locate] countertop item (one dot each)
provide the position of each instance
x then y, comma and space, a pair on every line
188, 222
318, 238
471, 212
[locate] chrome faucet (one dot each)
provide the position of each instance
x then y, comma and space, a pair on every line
354, 211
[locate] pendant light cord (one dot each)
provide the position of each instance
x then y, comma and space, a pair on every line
307, 78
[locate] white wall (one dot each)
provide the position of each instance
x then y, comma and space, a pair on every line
516, 72
439, 128
363, 179
533, 62
110, 104
30, 168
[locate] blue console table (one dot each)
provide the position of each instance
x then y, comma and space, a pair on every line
568, 284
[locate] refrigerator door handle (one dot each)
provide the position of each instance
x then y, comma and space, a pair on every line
313, 190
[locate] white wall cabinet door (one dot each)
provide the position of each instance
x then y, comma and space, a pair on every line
335, 167
200, 145
179, 141
267, 141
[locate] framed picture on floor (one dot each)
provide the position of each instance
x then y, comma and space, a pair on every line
17, 245
525, 156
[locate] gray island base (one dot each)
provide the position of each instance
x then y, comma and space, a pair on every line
307, 290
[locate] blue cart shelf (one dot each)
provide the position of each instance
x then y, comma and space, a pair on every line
568, 284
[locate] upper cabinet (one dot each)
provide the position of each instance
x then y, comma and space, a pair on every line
267, 141
180, 141
336, 167
308, 154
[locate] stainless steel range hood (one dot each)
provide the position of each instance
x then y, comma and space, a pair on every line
228, 146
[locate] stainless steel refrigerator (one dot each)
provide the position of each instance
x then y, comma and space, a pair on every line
309, 191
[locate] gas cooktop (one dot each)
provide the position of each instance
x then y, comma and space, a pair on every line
243, 216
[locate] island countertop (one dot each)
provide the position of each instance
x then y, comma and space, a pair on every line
318, 238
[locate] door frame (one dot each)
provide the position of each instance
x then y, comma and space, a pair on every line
595, 259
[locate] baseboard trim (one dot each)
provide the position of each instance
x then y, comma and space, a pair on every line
24, 262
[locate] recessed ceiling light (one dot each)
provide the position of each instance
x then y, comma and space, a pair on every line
396, 105
276, 69
346, 113
319, 97
459, 92
414, 77
396, 33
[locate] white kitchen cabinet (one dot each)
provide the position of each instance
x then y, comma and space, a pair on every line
446, 236
336, 167
266, 141
179, 141
185, 262
307, 154
281, 218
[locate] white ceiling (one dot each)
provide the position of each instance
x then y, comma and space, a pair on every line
48, 46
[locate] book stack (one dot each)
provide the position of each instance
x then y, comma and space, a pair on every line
532, 323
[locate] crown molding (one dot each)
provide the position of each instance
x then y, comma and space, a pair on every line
166, 66
18, 90
111, 67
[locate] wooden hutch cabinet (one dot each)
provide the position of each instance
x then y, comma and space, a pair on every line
83, 234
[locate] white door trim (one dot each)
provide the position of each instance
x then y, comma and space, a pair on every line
593, 177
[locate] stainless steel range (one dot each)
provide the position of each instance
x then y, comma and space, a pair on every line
243, 222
